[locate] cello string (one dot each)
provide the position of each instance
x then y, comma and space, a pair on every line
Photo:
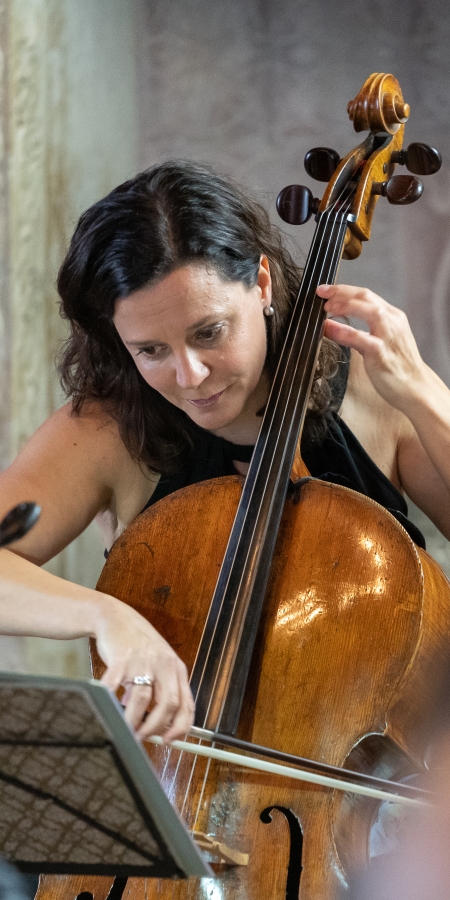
323, 236
181, 753
331, 265
175, 773
169, 788
189, 783
316, 249
231, 563
200, 799
177, 766
316, 275
223, 646
163, 774
321, 269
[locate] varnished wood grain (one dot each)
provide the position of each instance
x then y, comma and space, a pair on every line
348, 642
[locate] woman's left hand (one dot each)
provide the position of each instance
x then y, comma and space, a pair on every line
401, 377
389, 350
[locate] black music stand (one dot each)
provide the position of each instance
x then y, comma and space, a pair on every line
78, 794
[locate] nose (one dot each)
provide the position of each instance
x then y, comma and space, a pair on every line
190, 370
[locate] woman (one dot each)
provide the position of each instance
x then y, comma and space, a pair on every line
177, 290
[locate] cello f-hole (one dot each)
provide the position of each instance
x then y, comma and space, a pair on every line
294, 868
115, 893
117, 888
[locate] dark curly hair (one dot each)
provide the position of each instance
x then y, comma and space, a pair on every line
166, 217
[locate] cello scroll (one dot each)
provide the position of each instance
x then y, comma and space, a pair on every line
379, 108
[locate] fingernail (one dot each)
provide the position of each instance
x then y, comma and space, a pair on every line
324, 288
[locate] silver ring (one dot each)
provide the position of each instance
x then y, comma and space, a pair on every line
143, 679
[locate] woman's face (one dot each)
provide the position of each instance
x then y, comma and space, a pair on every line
201, 342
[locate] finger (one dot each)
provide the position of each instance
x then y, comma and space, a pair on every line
185, 715
348, 336
112, 677
166, 699
159, 719
181, 723
174, 713
334, 292
359, 303
115, 678
140, 698
379, 318
126, 696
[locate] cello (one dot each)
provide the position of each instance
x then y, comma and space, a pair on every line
278, 604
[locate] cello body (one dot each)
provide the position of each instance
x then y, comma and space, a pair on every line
353, 632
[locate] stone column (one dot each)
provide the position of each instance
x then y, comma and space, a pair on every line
67, 136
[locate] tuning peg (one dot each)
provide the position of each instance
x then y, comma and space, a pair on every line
419, 159
296, 204
400, 189
321, 162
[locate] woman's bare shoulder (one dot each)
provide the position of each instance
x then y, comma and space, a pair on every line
68, 439
76, 467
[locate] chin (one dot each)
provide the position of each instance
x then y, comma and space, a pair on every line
211, 419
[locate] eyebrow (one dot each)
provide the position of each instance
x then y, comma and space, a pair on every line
142, 343
194, 327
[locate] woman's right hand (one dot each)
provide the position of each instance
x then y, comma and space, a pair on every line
35, 602
131, 648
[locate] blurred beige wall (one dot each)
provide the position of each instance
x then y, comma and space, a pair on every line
68, 135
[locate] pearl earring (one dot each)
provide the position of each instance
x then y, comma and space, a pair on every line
268, 311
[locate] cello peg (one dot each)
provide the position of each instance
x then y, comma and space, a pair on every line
321, 163
18, 522
421, 159
399, 190
296, 204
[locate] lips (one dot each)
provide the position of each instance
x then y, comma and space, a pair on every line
209, 400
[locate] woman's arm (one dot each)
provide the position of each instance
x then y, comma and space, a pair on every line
401, 377
74, 468
34, 602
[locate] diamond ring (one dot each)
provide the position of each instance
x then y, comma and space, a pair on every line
143, 679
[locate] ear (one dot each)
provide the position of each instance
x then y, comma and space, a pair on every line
264, 281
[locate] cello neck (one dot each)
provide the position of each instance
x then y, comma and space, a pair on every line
223, 660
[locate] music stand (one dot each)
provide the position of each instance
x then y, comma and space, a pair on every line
78, 794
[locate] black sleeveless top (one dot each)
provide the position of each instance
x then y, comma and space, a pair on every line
337, 457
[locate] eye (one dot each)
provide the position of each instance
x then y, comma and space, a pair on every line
210, 334
153, 351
